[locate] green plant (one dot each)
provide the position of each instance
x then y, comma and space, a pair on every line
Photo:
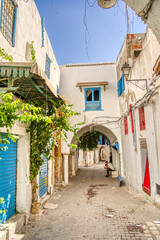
33, 52
42, 124
5, 55
89, 140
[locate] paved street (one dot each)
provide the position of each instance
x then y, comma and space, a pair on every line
94, 207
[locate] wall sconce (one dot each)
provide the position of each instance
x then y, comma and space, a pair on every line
126, 70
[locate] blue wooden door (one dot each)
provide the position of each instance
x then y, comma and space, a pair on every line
43, 177
8, 172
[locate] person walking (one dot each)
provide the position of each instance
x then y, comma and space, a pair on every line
107, 168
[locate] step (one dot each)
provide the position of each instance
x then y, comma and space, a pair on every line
3, 234
12, 225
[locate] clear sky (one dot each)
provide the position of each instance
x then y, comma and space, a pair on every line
107, 28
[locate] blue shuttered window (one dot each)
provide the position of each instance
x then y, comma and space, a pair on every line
92, 99
8, 176
8, 20
43, 177
121, 86
48, 65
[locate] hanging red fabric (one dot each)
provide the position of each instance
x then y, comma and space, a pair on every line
146, 184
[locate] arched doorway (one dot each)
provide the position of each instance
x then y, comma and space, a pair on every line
88, 158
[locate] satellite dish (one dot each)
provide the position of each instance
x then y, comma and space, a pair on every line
107, 3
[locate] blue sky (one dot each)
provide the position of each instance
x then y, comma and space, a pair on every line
64, 23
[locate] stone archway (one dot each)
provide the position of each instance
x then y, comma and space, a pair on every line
113, 139
96, 127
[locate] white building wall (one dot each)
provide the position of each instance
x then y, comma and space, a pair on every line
95, 72
142, 69
28, 29
71, 75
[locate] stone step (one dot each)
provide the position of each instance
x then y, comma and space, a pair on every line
8, 229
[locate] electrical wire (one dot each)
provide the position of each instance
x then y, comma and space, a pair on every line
140, 103
87, 33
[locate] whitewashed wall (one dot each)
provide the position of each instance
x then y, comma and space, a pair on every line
28, 29
142, 69
96, 72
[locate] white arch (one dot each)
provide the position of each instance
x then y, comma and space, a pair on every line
96, 127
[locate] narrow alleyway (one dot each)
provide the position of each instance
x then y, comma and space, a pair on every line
94, 207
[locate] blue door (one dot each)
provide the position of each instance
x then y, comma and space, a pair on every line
43, 177
8, 167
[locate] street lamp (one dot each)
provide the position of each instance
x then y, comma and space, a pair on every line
107, 3
126, 70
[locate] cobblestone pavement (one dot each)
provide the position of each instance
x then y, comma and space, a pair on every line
93, 207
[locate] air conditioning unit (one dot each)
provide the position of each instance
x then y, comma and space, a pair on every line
107, 3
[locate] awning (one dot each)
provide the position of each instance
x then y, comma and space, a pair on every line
26, 80
89, 84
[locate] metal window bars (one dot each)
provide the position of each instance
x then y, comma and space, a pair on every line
8, 13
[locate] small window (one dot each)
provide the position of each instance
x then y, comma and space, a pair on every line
136, 53
125, 125
47, 68
142, 119
92, 99
8, 20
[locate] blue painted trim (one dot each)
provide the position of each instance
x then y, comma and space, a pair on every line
93, 110
14, 3
92, 89
42, 22
14, 25
116, 146
1, 14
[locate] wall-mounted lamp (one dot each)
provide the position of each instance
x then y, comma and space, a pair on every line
126, 70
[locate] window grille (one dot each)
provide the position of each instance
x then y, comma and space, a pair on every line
121, 86
142, 119
125, 125
47, 68
8, 20
92, 99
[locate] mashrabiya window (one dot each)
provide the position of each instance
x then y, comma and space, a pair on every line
8, 20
